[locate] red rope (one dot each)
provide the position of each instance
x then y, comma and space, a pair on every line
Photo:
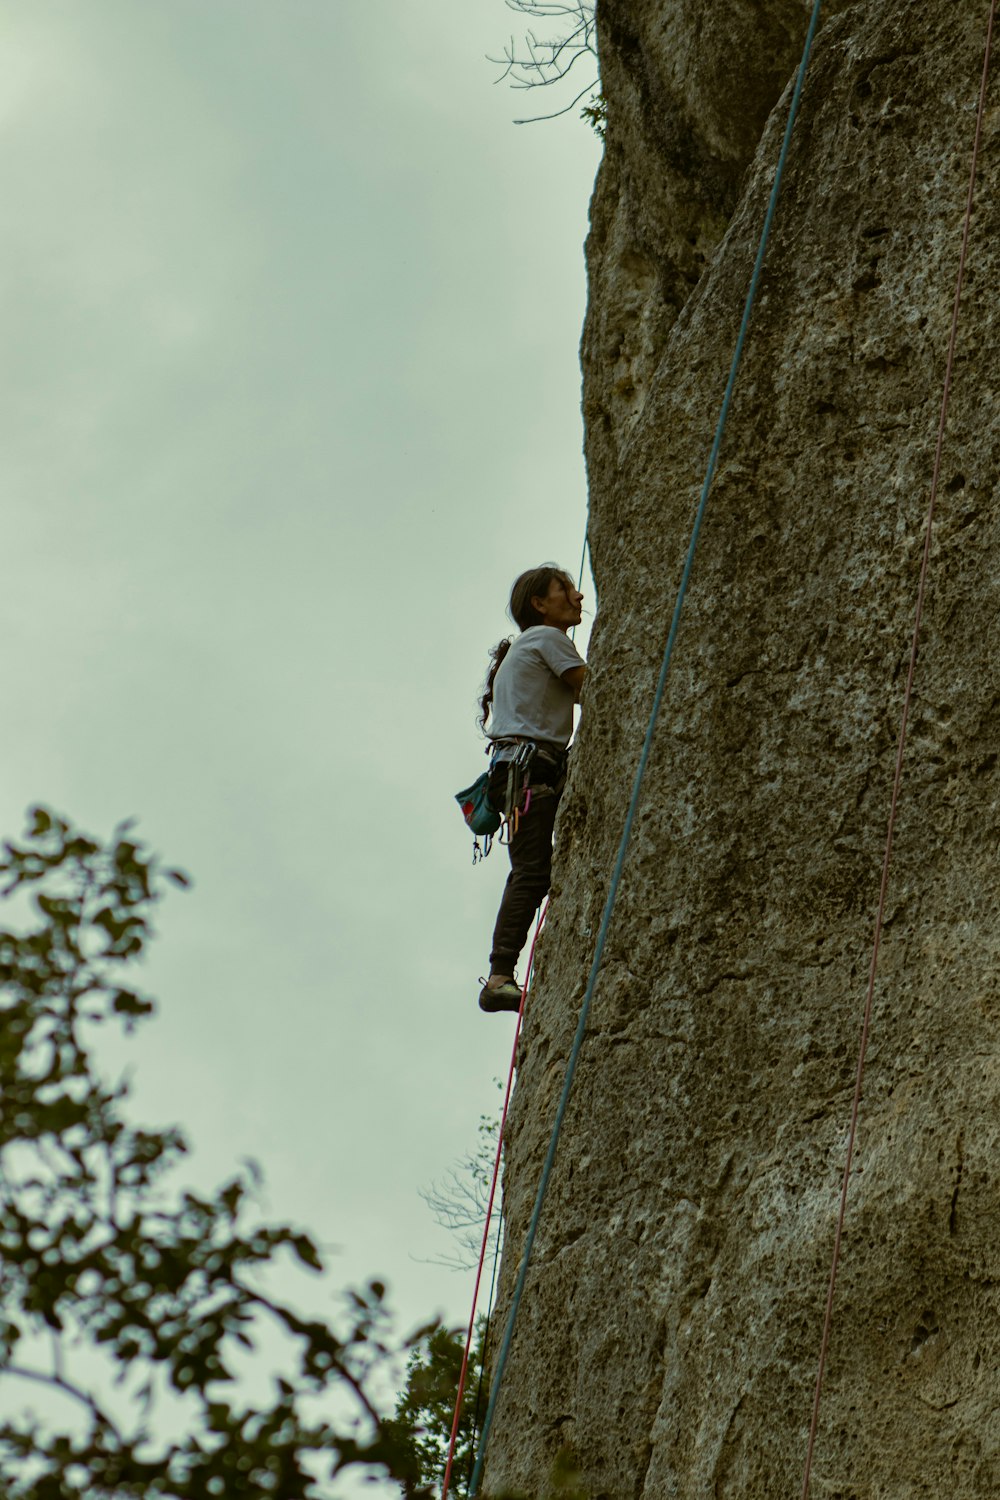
489, 1215
879, 919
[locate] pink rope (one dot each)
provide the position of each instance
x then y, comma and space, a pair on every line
489, 1214
879, 920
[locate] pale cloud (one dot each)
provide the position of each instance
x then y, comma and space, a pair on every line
289, 395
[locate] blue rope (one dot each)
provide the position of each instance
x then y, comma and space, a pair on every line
643, 759
583, 560
579, 581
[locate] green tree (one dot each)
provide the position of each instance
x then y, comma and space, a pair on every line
129, 1297
426, 1408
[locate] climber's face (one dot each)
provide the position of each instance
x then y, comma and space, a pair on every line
561, 605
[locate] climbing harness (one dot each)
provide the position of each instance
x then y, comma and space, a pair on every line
643, 758
489, 1215
900, 749
479, 812
517, 793
524, 759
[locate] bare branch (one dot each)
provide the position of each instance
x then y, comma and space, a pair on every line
60, 1383
540, 62
534, 119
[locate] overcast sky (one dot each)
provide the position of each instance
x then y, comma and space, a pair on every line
291, 314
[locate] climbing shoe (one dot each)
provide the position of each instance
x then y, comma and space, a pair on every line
506, 996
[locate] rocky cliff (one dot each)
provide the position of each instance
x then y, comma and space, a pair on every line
668, 1338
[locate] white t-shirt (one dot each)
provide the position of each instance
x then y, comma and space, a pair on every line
530, 699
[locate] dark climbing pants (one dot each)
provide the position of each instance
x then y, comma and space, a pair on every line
530, 851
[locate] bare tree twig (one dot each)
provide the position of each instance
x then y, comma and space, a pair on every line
539, 62
59, 1382
534, 119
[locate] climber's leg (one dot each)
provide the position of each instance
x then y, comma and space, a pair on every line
530, 851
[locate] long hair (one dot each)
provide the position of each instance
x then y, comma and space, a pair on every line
534, 584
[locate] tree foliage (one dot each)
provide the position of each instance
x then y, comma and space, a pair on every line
426, 1408
426, 1412
121, 1296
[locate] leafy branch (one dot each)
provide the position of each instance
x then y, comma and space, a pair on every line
120, 1294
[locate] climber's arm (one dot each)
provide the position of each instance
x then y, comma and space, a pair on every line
574, 681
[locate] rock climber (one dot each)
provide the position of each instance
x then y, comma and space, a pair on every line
527, 712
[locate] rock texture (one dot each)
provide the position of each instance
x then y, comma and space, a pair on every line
668, 1340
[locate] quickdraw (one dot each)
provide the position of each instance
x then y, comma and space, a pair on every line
517, 793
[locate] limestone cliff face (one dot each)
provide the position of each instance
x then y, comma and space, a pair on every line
669, 1334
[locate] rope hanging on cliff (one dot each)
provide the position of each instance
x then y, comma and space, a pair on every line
489, 1218
644, 755
901, 745
477, 1405
579, 581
